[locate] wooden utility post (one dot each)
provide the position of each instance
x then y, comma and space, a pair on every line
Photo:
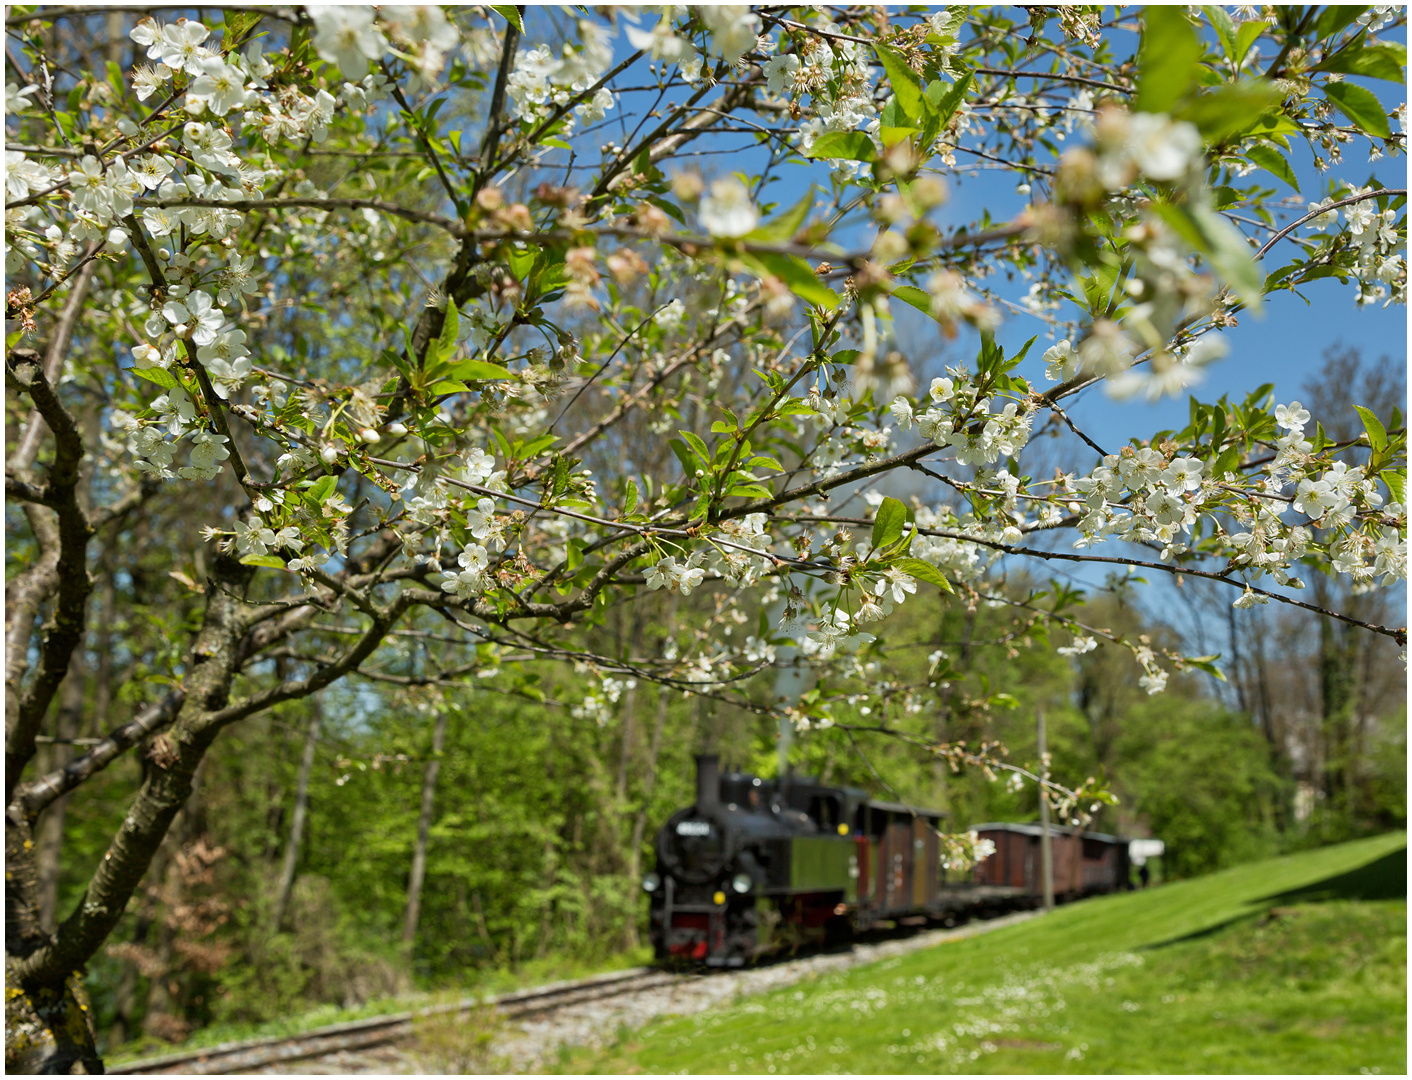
1046, 845
419, 853
301, 809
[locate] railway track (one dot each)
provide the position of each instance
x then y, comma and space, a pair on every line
236, 1057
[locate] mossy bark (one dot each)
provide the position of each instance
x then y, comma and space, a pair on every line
50, 1029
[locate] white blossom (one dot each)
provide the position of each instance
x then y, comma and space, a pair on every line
728, 211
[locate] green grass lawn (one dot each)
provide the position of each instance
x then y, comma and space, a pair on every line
1296, 965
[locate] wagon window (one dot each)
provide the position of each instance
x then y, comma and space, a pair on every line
824, 810
1094, 849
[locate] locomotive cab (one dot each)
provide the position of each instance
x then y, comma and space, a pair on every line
751, 867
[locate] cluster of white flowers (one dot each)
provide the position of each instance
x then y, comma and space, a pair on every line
1154, 679
1381, 266
961, 851
677, 577
1167, 494
598, 707
741, 567
471, 580
592, 708
541, 81
833, 632
837, 75
486, 526
956, 419
1081, 644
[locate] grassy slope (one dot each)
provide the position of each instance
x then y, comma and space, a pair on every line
1295, 964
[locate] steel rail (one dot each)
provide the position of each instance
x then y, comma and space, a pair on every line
374, 1031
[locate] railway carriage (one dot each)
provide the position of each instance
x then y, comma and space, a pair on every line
756, 867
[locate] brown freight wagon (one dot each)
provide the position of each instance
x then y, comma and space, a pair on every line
1084, 863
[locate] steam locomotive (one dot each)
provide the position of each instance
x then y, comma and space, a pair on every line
757, 867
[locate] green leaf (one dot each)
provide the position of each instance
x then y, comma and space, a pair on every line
1272, 161
801, 279
1361, 106
1235, 107
272, 561
511, 14
910, 294
440, 351
923, 571
764, 461
888, 524
1387, 60
1335, 17
1245, 37
694, 441
788, 223
1222, 24
1224, 248
1377, 434
573, 556
321, 489
1168, 59
536, 446
1396, 481
846, 145
951, 101
904, 82
630, 503
161, 376
478, 370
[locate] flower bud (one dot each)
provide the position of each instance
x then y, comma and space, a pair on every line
397, 429
329, 454
369, 435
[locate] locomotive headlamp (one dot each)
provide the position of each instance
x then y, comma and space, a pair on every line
651, 883
741, 883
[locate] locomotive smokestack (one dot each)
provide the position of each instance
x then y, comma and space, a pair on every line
708, 781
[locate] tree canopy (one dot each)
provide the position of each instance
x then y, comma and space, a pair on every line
410, 346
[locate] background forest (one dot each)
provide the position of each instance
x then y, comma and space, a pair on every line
384, 836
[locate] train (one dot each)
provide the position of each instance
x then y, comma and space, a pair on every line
755, 867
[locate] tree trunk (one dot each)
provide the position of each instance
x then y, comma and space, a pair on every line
164, 992
296, 826
419, 853
48, 1026
49, 832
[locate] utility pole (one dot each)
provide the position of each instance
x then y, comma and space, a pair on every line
1046, 845
301, 810
419, 853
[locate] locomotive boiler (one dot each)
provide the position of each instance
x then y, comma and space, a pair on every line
760, 866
